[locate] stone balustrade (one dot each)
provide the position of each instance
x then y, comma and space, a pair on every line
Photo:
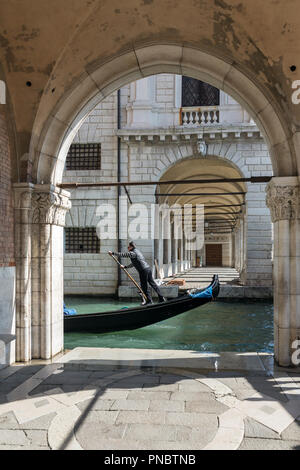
203, 115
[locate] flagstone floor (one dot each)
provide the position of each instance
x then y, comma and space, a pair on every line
94, 398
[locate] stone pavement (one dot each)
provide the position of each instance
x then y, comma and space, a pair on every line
113, 399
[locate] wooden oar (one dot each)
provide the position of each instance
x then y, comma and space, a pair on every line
130, 277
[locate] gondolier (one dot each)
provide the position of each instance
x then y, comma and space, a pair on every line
146, 279
141, 316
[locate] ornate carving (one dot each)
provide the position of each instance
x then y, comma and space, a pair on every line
283, 201
202, 148
49, 208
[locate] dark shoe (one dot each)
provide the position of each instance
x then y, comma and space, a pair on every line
148, 302
162, 299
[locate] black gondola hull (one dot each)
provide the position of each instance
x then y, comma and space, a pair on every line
136, 317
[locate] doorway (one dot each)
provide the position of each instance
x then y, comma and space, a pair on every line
213, 254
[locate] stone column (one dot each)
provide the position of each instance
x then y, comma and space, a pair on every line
283, 200
40, 218
174, 244
23, 215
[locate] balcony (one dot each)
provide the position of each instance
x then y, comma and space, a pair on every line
199, 116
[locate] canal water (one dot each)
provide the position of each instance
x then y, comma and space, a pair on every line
215, 327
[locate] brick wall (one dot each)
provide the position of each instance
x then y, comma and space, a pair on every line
6, 207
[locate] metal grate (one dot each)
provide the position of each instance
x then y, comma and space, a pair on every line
197, 93
81, 240
84, 157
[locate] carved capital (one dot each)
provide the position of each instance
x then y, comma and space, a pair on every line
41, 204
49, 207
283, 198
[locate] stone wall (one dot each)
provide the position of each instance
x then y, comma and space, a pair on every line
147, 157
94, 273
7, 255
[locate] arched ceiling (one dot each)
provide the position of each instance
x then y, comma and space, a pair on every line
229, 206
55, 45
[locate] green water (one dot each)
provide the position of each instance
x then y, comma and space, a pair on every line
215, 327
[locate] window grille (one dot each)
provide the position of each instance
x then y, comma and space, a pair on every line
84, 157
81, 240
197, 93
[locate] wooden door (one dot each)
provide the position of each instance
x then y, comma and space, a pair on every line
213, 254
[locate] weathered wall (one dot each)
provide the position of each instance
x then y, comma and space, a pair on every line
259, 37
7, 256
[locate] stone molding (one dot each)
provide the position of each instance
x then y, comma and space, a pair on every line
47, 204
181, 133
283, 198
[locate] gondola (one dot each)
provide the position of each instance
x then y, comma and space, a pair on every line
138, 317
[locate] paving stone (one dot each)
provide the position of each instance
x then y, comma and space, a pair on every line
193, 386
37, 437
269, 444
8, 421
29, 370
17, 447
101, 416
41, 423
110, 394
201, 436
154, 432
166, 405
98, 404
190, 419
254, 429
292, 432
244, 388
41, 389
81, 378
204, 435
13, 437
191, 396
137, 381
99, 374
15, 379
211, 406
137, 405
161, 388
140, 417
3, 399
6, 388
170, 379
147, 395
90, 436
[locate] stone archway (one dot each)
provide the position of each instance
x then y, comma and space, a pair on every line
48, 149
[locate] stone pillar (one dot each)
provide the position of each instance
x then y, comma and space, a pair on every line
23, 213
161, 245
40, 217
174, 249
283, 200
